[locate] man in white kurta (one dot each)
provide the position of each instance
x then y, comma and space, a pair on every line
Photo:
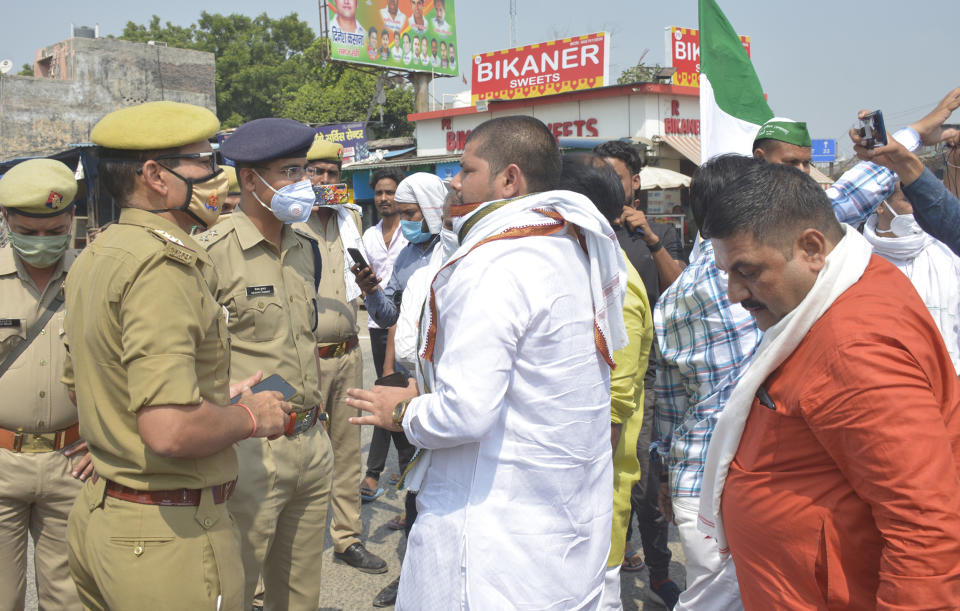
515, 486
514, 510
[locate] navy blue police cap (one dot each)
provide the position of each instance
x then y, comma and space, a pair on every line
266, 139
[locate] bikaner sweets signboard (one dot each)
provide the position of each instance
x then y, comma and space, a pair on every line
570, 64
683, 53
412, 35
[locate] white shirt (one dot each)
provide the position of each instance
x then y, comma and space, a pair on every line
335, 24
515, 506
393, 23
381, 258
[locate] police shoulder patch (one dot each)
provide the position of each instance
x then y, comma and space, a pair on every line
180, 254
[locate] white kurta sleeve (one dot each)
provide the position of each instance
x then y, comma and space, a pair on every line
482, 314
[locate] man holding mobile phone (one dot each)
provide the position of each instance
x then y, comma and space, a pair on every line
336, 228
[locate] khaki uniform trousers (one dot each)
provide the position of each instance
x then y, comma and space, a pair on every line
281, 509
36, 494
336, 376
128, 556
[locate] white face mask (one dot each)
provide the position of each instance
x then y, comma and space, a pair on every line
902, 225
291, 203
449, 242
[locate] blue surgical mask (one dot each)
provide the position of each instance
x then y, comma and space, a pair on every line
291, 203
413, 231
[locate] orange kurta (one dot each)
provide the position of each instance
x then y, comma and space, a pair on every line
847, 494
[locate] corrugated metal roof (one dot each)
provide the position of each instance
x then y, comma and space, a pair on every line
688, 146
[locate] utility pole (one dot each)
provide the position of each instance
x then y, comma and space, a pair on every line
513, 23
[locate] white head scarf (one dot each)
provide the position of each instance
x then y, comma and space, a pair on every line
427, 191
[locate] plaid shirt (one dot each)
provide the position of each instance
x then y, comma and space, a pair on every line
863, 187
706, 342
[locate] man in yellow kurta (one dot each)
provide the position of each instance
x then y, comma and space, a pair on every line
590, 175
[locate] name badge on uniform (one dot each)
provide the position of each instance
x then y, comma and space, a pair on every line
7, 323
260, 291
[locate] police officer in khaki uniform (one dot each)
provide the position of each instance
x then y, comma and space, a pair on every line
268, 275
149, 350
40, 469
233, 191
341, 365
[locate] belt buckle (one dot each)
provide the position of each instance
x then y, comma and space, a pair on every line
18, 441
340, 350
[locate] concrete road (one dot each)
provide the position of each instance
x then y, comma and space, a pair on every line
345, 588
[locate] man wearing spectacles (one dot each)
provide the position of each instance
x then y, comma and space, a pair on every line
336, 228
268, 273
149, 367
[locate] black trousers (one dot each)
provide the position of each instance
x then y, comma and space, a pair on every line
654, 529
380, 443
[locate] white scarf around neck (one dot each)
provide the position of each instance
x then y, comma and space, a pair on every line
844, 266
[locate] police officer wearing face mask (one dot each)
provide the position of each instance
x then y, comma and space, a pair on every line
268, 277
39, 447
148, 345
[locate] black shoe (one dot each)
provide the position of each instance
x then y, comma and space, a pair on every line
359, 558
387, 596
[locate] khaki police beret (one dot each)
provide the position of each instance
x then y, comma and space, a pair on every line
324, 150
155, 125
38, 187
234, 184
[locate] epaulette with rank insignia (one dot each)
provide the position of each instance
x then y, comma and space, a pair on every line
216, 233
173, 248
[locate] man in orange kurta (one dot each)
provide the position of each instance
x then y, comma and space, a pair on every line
844, 490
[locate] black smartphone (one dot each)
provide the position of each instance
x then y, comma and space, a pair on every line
872, 130
274, 382
394, 379
357, 257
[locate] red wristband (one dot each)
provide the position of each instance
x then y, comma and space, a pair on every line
252, 418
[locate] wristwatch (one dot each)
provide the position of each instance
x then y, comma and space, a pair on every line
399, 411
654, 248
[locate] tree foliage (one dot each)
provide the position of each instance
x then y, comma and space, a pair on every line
275, 67
641, 73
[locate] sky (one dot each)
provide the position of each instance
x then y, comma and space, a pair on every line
820, 63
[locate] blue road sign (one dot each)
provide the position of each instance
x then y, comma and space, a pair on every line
824, 150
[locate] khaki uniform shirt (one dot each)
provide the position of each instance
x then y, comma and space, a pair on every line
271, 300
143, 329
32, 398
337, 317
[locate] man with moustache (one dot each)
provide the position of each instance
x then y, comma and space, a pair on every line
844, 433
393, 18
382, 243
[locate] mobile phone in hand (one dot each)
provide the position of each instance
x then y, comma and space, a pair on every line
397, 379
357, 257
872, 130
274, 382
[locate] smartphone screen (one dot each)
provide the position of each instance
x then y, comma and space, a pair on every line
274, 382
